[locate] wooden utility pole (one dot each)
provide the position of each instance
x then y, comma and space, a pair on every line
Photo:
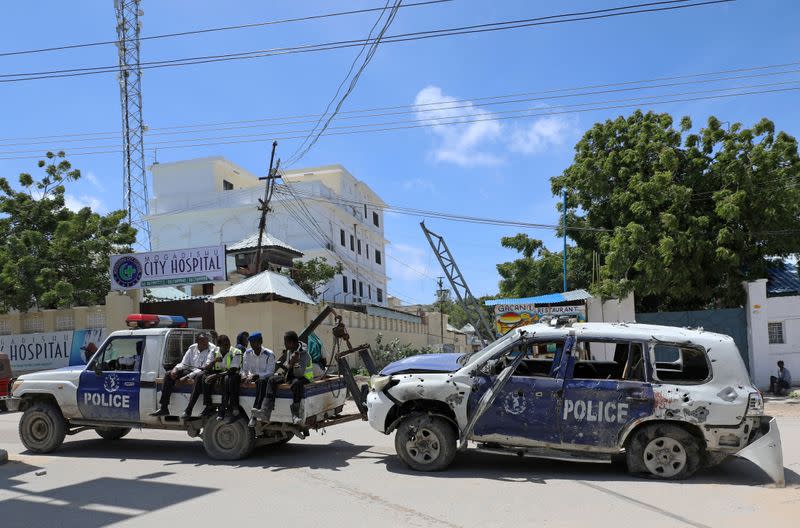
440, 293
269, 187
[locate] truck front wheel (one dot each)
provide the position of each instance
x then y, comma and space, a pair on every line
112, 433
42, 427
425, 443
228, 441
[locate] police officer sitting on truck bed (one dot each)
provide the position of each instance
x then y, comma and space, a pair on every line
296, 361
190, 367
230, 367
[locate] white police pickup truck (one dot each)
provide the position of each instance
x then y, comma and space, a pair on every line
665, 400
121, 384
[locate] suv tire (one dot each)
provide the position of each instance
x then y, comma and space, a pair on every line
112, 433
425, 442
228, 441
663, 451
42, 427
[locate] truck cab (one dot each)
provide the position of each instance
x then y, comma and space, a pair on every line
668, 400
120, 386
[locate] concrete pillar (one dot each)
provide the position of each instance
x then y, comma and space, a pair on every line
757, 334
48, 320
118, 306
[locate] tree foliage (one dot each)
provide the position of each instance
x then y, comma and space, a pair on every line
539, 271
683, 218
52, 257
314, 273
456, 315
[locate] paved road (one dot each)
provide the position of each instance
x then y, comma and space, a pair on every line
351, 477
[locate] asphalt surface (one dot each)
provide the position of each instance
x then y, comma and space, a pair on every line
351, 477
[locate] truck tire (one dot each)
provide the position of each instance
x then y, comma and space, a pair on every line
42, 427
112, 433
663, 451
3, 407
228, 441
425, 443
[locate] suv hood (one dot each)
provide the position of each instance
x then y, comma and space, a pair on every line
424, 363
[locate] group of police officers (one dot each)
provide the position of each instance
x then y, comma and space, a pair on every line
212, 362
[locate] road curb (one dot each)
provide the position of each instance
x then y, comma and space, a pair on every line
3, 456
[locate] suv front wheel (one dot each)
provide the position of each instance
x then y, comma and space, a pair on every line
42, 427
663, 451
425, 442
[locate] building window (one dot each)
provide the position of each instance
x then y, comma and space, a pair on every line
377, 257
226, 185
380, 295
354, 286
775, 331
375, 219
352, 243
367, 250
344, 283
341, 236
359, 246
369, 291
365, 211
360, 289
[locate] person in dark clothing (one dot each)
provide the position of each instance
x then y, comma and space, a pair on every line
296, 361
231, 365
242, 341
781, 382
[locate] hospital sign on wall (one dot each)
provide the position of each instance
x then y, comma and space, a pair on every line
167, 268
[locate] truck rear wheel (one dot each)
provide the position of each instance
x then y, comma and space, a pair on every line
112, 433
663, 451
425, 443
42, 427
228, 441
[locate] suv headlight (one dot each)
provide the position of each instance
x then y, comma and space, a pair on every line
15, 384
755, 404
378, 383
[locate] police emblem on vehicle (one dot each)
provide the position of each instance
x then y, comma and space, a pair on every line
515, 403
127, 271
111, 383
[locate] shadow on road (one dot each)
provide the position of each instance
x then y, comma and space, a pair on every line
477, 465
90, 504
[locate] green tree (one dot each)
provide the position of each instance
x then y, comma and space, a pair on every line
539, 271
312, 274
683, 218
52, 257
456, 314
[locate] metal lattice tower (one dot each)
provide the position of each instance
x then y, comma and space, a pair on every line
134, 172
468, 301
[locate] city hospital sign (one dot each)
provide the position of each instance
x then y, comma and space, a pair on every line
166, 268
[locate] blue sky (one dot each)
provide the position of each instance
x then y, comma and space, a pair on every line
494, 168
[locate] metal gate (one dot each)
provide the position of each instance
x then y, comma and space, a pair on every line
728, 321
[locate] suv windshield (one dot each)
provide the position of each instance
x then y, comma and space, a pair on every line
491, 348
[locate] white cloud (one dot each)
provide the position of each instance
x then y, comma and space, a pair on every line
414, 265
541, 135
76, 203
93, 179
464, 144
419, 184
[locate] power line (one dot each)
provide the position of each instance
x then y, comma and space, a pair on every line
412, 268
217, 29
426, 124
403, 37
314, 136
439, 107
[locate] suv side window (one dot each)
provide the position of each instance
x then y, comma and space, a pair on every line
537, 362
121, 354
609, 360
681, 364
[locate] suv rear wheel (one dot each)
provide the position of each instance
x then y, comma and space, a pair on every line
425, 443
42, 427
663, 451
228, 441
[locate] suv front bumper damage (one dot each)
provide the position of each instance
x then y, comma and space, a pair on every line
765, 451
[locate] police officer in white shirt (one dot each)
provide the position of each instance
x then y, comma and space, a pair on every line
258, 366
190, 367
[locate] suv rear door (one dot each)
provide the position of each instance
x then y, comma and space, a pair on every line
605, 389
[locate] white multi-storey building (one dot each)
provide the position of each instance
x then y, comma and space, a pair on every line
208, 201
